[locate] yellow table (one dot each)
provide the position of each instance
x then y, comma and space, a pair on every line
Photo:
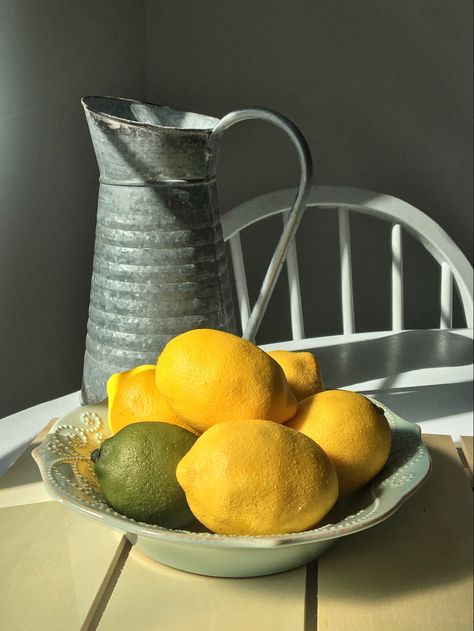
61, 571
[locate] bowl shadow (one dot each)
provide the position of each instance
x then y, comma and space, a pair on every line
425, 544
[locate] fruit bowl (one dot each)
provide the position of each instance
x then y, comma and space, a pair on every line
67, 471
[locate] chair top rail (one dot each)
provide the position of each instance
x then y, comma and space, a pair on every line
414, 221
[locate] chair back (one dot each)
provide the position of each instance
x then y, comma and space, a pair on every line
455, 269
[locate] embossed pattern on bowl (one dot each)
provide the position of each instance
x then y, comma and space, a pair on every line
67, 471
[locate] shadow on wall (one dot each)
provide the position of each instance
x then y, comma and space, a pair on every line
48, 181
383, 94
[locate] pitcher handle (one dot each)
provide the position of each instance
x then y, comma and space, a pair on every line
296, 212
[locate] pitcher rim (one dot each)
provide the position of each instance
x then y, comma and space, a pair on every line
126, 121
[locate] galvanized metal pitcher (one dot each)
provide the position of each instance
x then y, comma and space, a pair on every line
159, 262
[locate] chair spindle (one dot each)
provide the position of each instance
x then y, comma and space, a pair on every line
397, 278
347, 295
446, 297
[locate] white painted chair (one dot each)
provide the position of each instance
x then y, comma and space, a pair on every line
454, 266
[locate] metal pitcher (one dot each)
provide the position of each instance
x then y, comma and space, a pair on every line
160, 266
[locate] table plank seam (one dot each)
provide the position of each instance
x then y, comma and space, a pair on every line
104, 594
311, 597
464, 463
466, 444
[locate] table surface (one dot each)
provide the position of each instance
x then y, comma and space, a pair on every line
59, 570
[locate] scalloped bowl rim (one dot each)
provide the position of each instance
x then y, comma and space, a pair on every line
384, 506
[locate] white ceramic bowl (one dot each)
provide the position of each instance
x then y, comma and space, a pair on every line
67, 471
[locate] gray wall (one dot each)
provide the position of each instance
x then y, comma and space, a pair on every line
49, 58
382, 91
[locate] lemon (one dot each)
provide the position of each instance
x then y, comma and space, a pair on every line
209, 376
352, 431
302, 372
257, 478
136, 469
134, 397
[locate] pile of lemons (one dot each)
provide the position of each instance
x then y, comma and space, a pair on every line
244, 441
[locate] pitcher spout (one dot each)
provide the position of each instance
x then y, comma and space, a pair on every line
142, 113
142, 143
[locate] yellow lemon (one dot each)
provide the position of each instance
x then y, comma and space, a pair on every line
352, 431
302, 372
134, 397
209, 376
257, 478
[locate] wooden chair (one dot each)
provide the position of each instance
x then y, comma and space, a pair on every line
454, 266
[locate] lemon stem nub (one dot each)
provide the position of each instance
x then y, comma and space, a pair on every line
95, 455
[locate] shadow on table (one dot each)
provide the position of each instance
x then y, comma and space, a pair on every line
25, 468
423, 403
427, 543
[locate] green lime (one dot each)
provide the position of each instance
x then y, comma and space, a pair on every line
136, 469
